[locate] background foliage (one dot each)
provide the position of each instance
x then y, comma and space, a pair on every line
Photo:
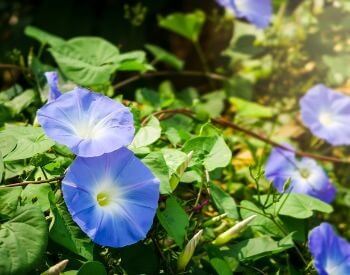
184, 68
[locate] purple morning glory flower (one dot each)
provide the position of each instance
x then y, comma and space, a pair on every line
113, 198
52, 81
327, 113
331, 253
90, 124
257, 12
306, 176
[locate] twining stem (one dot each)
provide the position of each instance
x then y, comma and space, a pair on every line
25, 183
232, 125
213, 76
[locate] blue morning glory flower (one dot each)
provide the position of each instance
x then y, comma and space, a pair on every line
257, 12
330, 252
306, 176
327, 113
113, 198
52, 81
90, 124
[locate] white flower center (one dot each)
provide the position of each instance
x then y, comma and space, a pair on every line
88, 130
326, 119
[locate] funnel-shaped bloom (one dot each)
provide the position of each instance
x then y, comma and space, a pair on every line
257, 12
305, 175
90, 124
52, 81
113, 198
327, 113
331, 253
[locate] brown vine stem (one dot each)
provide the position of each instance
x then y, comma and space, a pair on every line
223, 122
25, 183
213, 76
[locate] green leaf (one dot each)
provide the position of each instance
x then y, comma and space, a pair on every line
23, 240
300, 206
177, 162
7, 143
156, 162
339, 71
256, 248
133, 61
9, 198
187, 25
65, 232
249, 109
223, 201
22, 101
37, 194
212, 152
42, 36
30, 141
212, 104
174, 220
165, 56
147, 134
92, 267
2, 167
87, 60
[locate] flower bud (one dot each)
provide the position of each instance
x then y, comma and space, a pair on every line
187, 253
214, 220
233, 232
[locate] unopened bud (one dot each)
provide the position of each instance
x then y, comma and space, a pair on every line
57, 268
214, 220
233, 232
187, 253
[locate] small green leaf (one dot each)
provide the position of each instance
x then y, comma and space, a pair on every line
23, 240
7, 143
9, 198
300, 206
65, 232
156, 162
92, 267
37, 194
22, 101
42, 36
165, 56
187, 25
87, 60
223, 201
147, 134
30, 141
212, 152
256, 248
174, 220
249, 109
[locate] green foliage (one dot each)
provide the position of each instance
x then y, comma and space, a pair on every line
175, 220
211, 174
187, 25
29, 142
23, 241
165, 56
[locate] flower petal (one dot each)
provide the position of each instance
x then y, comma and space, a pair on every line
331, 253
326, 113
52, 80
130, 191
90, 124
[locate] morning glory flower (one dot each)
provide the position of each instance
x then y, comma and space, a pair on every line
113, 198
52, 81
90, 124
257, 12
305, 175
330, 252
327, 113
